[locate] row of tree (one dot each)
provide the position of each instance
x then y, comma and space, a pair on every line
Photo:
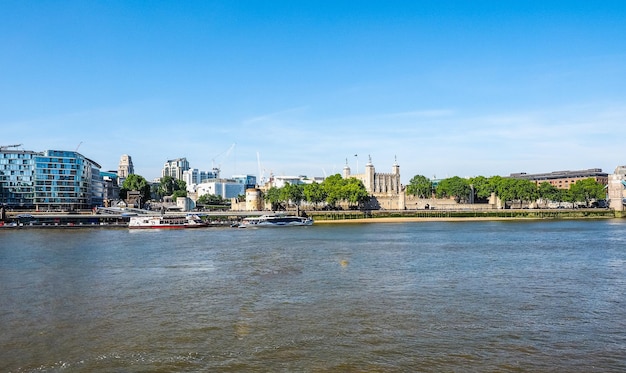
507, 189
333, 190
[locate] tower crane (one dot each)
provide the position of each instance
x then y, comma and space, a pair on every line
3, 147
217, 169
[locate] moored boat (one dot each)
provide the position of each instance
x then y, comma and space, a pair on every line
166, 222
279, 220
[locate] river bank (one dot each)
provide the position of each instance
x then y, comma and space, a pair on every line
444, 219
227, 218
460, 215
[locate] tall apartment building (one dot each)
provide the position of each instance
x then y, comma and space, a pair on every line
50, 180
175, 168
17, 177
125, 168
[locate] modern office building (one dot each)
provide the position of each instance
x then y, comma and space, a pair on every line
249, 181
226, 188
195, 176
175, 168
111, 186
191, 176
563, 179
50, 180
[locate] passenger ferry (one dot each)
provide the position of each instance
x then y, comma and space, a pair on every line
166, 222
276, 221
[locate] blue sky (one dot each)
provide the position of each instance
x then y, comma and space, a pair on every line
449, 88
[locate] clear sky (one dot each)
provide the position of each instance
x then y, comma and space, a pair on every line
449, 88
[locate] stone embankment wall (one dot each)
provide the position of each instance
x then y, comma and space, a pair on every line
414, 203
408, 215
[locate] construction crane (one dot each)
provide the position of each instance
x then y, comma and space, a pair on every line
4, 147
217, 169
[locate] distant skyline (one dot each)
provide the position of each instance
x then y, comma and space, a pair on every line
448, 88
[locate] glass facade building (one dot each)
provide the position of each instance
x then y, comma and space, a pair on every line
17, 178
51, 180
249, 181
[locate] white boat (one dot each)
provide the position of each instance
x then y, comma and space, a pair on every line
276, 221
166, 222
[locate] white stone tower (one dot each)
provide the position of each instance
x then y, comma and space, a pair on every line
125, 168
346, 170
368, 180
617, 188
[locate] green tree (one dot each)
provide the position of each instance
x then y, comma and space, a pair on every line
291, 193
354, 192
567, 196
138, 183
332, 189
494, 184
273, 197
455, 187
505, 189
587, 189
211, 199
483, 187
511, 190
181, 185
155, 191
549, 192
166, 186
314, 193
179, 193
526, 190
420, 186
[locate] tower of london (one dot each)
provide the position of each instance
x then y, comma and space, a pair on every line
385, 189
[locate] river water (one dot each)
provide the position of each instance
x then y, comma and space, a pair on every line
409, 297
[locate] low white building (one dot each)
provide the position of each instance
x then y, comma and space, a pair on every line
281, 181
224, 188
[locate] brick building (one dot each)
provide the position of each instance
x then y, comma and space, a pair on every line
563, 179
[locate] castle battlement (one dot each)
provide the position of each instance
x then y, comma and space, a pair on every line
378, 183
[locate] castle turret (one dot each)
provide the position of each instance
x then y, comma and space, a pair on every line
369, 176
346, 170
617, 189
395, 168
